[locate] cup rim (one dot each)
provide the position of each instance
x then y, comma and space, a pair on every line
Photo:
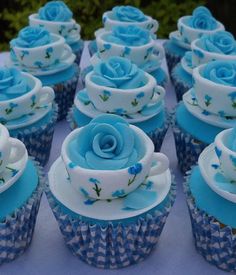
194, 45
196, 74
37, 86
150, 78
59, 40
220, 26
149, 149
34, 17
219, 141
99, 38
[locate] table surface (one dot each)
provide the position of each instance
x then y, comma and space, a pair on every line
174, 254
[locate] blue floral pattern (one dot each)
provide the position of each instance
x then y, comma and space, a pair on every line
134, 170
105, 96
208, 100
233, 99
96, 188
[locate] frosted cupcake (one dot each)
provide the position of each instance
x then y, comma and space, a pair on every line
190, 28
211, 196
21, 187
218, 46
125, 16
134, 43
119, 87
47, 56
57, 18
113, 215
28, 112
207, 109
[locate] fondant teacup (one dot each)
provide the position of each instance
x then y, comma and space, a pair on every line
190, 34
107, 99
214, 97
106, 184
11, 149
226, 156
37, 96
42, 56
137, 54
149, 24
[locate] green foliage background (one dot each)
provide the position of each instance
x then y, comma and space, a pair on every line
88, 13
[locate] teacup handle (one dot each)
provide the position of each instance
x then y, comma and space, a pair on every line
161, 93
67, 52
47, 95
155, 25
160, 163
160, 50
18, 150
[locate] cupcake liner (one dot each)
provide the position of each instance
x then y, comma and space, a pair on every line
38, 140
92, 47
16, 231
113, 244
181, 86
64, 95
157, 135
214, 241
78, 53
188, 148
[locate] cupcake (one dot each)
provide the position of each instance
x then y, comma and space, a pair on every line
48, 57
207, 109
21, 187
134, 43
56, 17
119, 87
190, 27
113, 215
211, 197
27, 111
218, 46
125, 16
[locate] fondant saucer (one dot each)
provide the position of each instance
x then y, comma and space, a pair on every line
12, 173
210, 169
55, 68
192, 106
28, 119
83, 103
176, 37
116, 209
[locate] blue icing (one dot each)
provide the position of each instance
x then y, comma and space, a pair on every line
30, 37
148, 126
128, 36
118, 72
12, 84
59, 77
173, 48
182, 76
195, 127
128, 14
56, 11
221, 72
76, 46
106, 143
213, 204
17, 195
221, 42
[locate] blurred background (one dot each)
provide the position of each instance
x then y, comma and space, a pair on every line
88, 13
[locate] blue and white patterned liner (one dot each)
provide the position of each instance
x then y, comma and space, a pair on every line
157, 136
38, 140
64, 95
16, 231
112, 245
180, 86
188, 148
78, 53
214, 241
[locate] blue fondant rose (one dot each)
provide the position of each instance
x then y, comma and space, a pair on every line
30, 37
118, 72
55, 11
222, 72
128, 14
221, 42
106, 143
11, 83
129, 36
202, 19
